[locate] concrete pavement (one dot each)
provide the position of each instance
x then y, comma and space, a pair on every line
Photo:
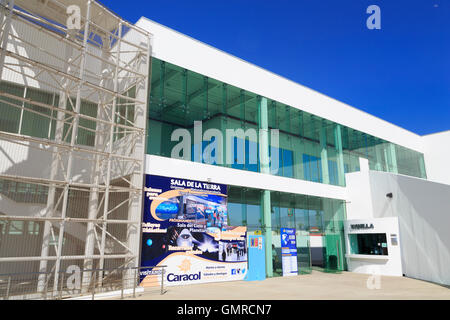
317, 285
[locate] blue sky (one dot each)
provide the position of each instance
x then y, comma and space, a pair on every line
400, 73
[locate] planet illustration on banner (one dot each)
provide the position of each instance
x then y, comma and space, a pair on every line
149, 242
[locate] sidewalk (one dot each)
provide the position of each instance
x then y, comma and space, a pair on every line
314, 286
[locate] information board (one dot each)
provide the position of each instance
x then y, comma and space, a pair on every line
289, 251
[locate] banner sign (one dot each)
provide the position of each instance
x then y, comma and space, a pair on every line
289, 251
186, 228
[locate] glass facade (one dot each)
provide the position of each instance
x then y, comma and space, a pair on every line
309, 148
32, 119
310, 216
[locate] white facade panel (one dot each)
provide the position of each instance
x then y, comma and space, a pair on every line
437, 155
422, 208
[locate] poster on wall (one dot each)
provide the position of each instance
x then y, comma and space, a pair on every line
185, 227
289, 252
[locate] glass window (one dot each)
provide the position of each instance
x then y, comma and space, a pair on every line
16, 227
10, 107
86, 128
3, 225
251, 154
36, 119
33, 228
312, 167
236, 207
235, 214
238, 154
368, 243
301, 213
253, 210
179, 97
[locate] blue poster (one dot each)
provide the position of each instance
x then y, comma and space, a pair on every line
289, 252
185, 227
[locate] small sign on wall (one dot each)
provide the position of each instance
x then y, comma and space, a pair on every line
256, 242
394, 240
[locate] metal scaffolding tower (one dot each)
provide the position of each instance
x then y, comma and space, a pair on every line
73, 108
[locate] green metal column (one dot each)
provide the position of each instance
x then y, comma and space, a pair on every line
339, 154
264, 168
205, 98
267, 229
324, 154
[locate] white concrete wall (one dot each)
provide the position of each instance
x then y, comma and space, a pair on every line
33, 159
184, 51
197, 171
437, 156
359, 205
423, 209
